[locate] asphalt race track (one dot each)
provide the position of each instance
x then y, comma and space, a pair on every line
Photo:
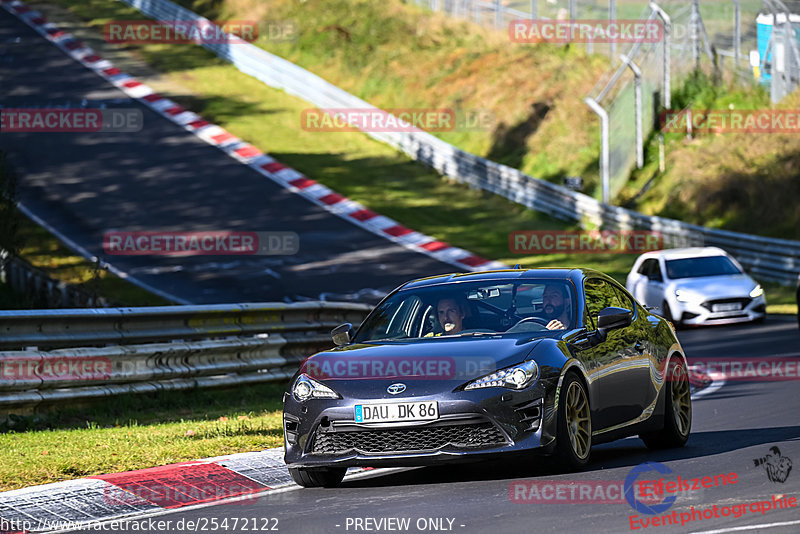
164, 178
733, 425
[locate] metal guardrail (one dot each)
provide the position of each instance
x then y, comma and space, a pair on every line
777, 259
35, 284
139, 350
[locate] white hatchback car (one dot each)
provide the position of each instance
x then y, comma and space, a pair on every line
694, 286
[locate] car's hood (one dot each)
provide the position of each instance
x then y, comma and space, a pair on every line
716, 287
438, 363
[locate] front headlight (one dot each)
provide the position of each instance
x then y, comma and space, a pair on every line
516, 377
681, 295
757, 291
306, 388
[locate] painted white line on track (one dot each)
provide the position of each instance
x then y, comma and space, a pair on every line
718, 382
747, 527
91, 257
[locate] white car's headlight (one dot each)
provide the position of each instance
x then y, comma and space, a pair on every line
306, 388
516, 377
757, 291
681, 295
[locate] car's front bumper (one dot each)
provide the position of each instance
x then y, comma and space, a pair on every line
471, 425
702, 313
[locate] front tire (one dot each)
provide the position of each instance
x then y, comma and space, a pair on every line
798, 308
677, 411
574, 437
667, 313
318, 477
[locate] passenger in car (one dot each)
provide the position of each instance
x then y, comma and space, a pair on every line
451, 315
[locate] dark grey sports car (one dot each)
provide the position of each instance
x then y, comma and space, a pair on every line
455, 367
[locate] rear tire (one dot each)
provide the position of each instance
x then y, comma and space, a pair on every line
677, 411
318, 477
574, 429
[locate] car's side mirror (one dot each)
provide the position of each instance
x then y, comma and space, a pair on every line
341, 334
611, 317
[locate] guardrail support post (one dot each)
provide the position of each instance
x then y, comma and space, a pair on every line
604, 159
665, 72
637, 96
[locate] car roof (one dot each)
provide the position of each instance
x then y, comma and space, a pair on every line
573, 274
682, 253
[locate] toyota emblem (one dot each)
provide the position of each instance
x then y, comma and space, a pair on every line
394, 389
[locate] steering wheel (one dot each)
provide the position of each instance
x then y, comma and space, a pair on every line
543, 322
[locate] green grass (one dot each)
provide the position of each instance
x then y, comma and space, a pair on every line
744, 182
136, 432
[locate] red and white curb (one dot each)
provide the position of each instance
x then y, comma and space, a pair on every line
250, 155
237, 478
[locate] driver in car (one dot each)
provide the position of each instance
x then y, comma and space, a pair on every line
554, 305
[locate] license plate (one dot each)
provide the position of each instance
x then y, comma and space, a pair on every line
396, 411
735, 306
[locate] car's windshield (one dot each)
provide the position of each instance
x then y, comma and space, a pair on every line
704, 266
472, 308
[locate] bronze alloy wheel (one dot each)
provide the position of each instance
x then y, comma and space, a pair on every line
579, 425
681, 399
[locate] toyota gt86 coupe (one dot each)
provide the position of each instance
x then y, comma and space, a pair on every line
457, 367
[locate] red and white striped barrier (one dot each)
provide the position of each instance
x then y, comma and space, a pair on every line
250, 155
135, 495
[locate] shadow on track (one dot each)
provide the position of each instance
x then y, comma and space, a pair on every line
624, 453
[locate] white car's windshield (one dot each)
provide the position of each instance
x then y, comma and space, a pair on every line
704, 266
472, 309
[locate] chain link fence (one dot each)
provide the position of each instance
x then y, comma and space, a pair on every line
713, 35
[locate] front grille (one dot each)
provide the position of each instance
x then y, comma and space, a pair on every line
709, 304
420, 439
